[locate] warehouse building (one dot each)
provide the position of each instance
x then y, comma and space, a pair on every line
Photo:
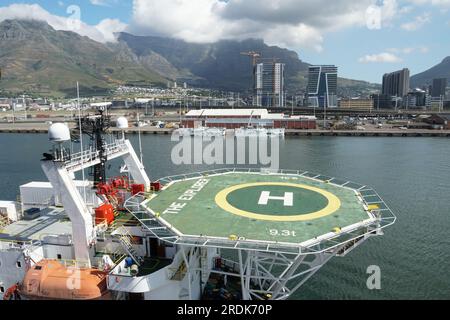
239, 118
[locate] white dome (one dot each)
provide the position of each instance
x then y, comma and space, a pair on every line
122, 123
58, 132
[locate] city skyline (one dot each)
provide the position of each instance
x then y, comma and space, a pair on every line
365, 39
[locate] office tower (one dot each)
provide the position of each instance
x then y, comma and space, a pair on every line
439, 86
396, 83
269, 84
322, 86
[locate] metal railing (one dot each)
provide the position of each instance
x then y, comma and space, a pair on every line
381, 217
88, 156
126, 240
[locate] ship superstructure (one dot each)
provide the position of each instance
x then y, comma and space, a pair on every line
225, 234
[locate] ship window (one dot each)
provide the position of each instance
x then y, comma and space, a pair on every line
2, 289
137, 241
19, 264
58, 256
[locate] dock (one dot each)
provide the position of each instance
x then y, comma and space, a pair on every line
148, 130
371, 133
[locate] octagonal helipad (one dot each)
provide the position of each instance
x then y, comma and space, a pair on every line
257, 206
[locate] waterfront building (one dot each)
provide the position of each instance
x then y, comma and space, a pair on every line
322, 86
439, 121
241, 118
396, 83
269, 84
416, 98
439, 87
356, 104
382, 101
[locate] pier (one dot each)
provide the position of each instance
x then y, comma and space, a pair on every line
43, 129
371, 133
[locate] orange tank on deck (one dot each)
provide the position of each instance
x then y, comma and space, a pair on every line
50, 279
105, 213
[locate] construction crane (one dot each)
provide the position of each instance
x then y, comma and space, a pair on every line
254, 55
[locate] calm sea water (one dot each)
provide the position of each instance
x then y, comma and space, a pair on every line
411, 174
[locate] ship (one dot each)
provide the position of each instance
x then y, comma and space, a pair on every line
229, 234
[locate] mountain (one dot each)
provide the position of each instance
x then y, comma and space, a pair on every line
36, 58
221, 66
217, 65
441, 70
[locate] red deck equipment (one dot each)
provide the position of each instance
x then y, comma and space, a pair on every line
156, 186
104, 213
137, 188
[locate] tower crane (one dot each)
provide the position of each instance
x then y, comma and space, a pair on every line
254, 55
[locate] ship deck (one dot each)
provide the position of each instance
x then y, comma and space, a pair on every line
52, 221
257, 206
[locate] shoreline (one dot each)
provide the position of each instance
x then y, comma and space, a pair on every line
43, 129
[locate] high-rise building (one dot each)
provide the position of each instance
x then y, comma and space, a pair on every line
269, 85
322, 86
396, 83
382, 101
439, 87
416, 98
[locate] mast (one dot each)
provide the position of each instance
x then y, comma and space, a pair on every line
95, 126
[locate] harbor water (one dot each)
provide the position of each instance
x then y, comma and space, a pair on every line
412, 175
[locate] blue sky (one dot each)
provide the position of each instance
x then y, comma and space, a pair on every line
365, 38
90, 13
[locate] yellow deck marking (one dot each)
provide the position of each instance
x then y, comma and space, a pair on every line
333, 203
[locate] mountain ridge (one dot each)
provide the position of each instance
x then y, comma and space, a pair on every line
36, 58
425, 78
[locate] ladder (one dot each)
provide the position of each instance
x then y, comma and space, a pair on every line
125, 240
204, 265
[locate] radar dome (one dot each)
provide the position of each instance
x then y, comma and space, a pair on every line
58, 132
122, 123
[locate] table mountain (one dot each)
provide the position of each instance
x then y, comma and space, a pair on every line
36, 58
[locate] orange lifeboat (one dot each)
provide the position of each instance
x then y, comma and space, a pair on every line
51, 280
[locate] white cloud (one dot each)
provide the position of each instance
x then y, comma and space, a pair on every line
438, 3
293, 23
418, 22
384, 57
105, 3
406, 9
102, 32
408, 50
298, 24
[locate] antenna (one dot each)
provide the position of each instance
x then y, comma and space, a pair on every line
140, 140
81, 140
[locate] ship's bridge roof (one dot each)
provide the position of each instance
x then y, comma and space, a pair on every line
294, 209
52, 222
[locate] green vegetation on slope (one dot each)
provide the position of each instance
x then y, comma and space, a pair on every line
36, 58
